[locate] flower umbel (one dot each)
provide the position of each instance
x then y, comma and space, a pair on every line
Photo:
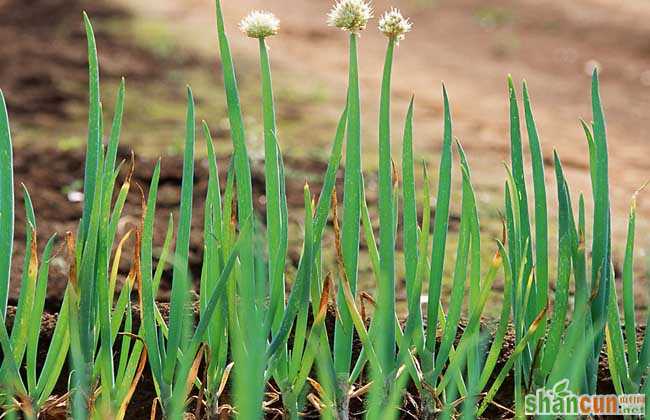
394, 25
350, 15
259, 24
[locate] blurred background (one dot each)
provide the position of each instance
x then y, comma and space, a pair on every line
471, 45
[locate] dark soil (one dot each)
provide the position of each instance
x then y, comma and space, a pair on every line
53, 177
44, 69
140, 406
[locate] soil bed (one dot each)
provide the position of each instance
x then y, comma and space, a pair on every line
44, 70
140, 406
53, 179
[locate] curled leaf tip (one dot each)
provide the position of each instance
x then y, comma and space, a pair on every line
638, 191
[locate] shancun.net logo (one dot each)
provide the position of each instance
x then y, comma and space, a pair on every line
560, 400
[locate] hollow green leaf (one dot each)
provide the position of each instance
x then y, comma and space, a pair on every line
440, 225
6, 205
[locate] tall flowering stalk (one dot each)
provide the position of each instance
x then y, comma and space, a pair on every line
351, 16
394, 26
261, 25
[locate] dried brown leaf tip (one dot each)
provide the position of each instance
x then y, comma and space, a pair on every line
71, 259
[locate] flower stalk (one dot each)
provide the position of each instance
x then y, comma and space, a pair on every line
350, 226
385, 341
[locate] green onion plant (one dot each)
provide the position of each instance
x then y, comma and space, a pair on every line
250, 340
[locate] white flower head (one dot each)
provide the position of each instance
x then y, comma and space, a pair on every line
394, 25
259, 24
350, 15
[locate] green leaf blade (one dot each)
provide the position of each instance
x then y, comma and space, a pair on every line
6, 205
